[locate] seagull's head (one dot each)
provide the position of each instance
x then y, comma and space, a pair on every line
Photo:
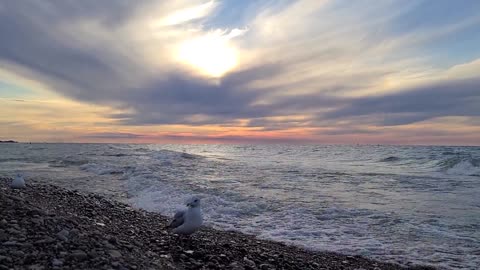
193, 202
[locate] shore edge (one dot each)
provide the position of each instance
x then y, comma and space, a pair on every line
49, 227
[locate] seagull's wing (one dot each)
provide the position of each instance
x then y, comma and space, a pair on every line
178, 219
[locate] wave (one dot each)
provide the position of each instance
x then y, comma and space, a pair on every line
67, 162
390, 159
116, 155
189, 156
459, 165
12, 159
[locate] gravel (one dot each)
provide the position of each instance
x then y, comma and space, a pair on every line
48, 227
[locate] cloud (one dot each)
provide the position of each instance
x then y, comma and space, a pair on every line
305, 64
113, 135
448, 98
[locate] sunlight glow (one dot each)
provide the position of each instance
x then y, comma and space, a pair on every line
212, 54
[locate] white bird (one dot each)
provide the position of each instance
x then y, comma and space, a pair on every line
189, 220
18, 182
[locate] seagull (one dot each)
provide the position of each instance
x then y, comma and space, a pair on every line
189, 220
18, 182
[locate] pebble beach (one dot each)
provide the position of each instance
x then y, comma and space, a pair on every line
48, 227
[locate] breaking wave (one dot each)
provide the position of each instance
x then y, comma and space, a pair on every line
461, 165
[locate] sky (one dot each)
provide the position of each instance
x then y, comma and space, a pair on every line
313, 71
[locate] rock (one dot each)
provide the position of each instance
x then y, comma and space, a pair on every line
36, 267
93, 254
249, 263
112, 240
37, 212
13, 231
79, 255
63, 235
38, 221
74, 232
57, 262
108, 245
5, 259
266, 266
15, 198
17, 253
10, 243
115, 253
47, 240
189, 251
235, 266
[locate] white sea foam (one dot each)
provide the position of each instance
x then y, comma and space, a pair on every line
102, 169
464, 167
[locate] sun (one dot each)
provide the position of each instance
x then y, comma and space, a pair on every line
211, 55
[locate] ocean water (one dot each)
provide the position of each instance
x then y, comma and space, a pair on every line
405, 204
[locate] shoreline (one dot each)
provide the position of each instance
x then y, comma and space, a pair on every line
48, 227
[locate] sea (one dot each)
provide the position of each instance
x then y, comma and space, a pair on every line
403, 204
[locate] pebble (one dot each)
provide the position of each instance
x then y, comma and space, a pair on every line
115, 254
63, 235
46, 240
38, 221
235, 266
266, 266
57, 262
17, 253
249, 263
10, 243
108, 245
79, 255
13, 231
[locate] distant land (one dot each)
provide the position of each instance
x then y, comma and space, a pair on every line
9, 141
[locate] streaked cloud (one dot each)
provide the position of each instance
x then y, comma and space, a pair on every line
319, 69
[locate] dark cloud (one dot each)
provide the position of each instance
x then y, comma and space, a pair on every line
447, 98
32, 40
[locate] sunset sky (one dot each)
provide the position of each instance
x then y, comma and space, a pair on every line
376, 72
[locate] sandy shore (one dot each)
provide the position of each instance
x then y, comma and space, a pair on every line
48, 227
